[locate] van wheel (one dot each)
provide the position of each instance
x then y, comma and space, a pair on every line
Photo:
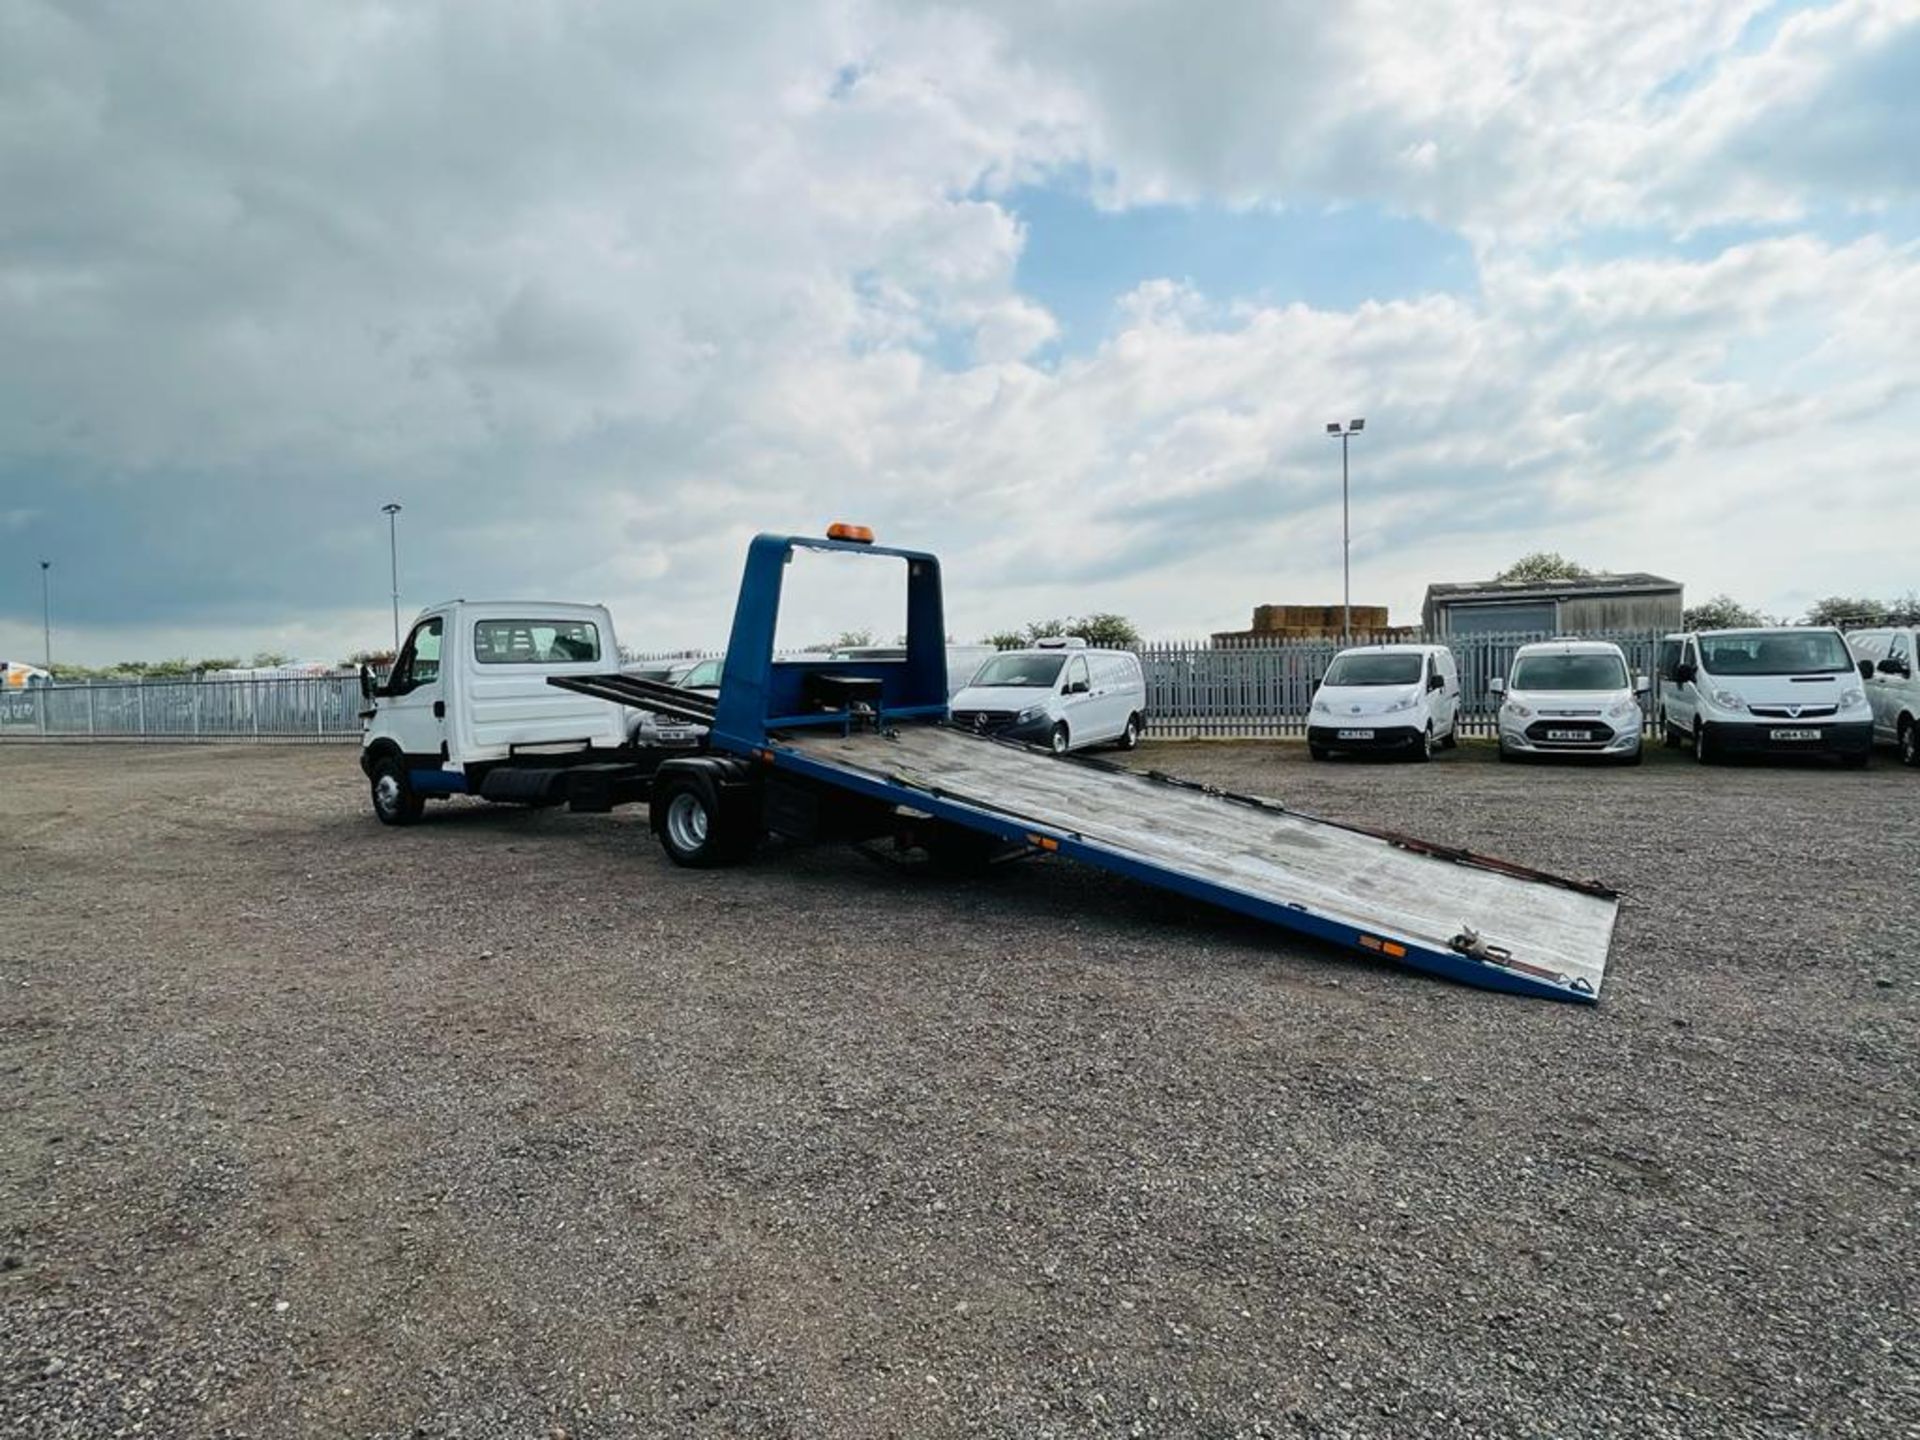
1704, 750
394, 800
1317, 752
1452, 742
1130, 737
1909, 743
1507, 756
1058, 742
694, 830
1670, 735
1423, 748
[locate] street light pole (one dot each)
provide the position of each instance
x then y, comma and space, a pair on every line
390, 510
46, 611
1345, 432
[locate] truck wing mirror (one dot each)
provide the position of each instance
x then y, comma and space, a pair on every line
367, 687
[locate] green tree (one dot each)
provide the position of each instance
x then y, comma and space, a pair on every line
1544, 565
270, 659
1846, 609
1722, 612
1103, 629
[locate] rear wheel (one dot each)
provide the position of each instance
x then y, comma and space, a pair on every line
1909, 743
1059, 741
695, 829
394, 800
1452, 742
1130, 737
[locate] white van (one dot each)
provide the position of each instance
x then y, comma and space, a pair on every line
962, 660
1059, 694
1782, 690
1570, 697
1893, 690
1386, 697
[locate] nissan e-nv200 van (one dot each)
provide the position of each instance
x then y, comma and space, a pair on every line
1404, 698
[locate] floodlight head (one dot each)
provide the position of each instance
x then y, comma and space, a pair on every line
390, 508
1333, 427
1356, 426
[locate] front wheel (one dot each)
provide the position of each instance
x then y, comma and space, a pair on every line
1130, 737
1909, 744
695, 831
1059, 742
1423, 747
1318, 752
1670, 735
1704, 750
394, 800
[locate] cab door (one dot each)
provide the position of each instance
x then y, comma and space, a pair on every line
1683, 700
1892, 684
1445, 699
413, 705
1077, 703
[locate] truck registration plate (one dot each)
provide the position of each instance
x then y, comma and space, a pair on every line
1356, 734
1567, 735
1793, 734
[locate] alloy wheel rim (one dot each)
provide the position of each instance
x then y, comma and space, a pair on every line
386, 793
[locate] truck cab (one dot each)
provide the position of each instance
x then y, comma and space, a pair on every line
468, 696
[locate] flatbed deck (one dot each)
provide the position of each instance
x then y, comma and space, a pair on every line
1481, 921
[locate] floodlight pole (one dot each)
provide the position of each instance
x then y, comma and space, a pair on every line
391, 509
46, 612
1345, 432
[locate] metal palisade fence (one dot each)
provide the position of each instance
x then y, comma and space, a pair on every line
1193, 690
1251, 691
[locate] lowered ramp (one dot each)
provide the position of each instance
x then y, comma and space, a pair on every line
1467, 917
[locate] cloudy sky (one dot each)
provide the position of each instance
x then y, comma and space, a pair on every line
1066, 291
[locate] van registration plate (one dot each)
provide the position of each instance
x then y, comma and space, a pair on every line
1793, 734
1567, 735
1356, 734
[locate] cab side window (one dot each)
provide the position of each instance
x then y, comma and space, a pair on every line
1077, 674
419, 662
1669, 659
1900, 652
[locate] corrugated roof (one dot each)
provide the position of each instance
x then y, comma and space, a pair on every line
1635, 583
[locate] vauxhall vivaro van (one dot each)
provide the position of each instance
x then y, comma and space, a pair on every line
1794, 690
1060, 694
1386, 697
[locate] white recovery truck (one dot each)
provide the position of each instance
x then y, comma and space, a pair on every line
467, 710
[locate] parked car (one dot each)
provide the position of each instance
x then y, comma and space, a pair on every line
654, 731
1570, 697
1386, 697
1785, 690
1060, 694
1893, 689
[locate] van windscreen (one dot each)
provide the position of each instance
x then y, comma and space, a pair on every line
1035, 671
1569, 672
1361, 668
1775, 652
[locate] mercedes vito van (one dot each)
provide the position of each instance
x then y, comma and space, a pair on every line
1060, 694
1386, 697
1570, 697
1784, 690
1893, 689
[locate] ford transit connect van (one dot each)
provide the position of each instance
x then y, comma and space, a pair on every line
1893, 689
1059, 694
1386, 697
1570, 697
1787, 690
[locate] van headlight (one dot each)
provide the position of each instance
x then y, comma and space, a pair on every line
1032, 712
1522, 712
1622, 709
1403, 704
1727, 700
1851, 698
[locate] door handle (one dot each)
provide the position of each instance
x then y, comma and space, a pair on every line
439, 709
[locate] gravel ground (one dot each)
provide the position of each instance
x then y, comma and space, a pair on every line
501, 1126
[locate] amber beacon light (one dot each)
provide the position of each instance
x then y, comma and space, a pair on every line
857, 534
